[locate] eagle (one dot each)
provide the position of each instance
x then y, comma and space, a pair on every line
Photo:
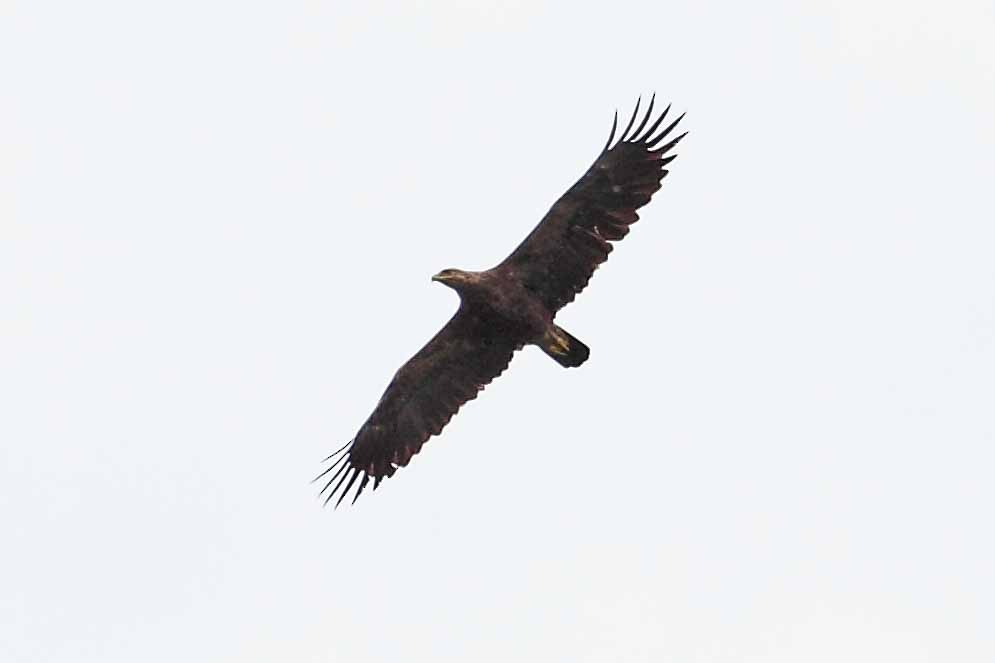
510, 306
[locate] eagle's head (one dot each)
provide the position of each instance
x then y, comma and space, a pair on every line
456, 279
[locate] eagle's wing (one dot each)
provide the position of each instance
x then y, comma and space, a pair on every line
424, 395
559, 256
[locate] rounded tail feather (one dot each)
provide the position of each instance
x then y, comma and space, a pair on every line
564, 348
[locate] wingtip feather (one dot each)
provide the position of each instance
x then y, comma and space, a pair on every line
663, 134
330, 468
649, 112
362, 485
632, 120
612, 134
334, 490
656, 123
671, 144
345, 491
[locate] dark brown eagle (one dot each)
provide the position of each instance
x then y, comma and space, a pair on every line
507, 307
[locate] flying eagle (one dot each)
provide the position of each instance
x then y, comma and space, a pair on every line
509, 306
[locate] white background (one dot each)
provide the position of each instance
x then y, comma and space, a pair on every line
218, 224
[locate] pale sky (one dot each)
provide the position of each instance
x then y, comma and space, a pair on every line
218, 221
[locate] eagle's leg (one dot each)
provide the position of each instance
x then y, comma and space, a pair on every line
563, 347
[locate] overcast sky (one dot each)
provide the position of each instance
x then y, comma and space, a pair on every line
218, 221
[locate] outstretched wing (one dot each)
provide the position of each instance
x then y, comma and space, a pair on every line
559, 256
424, 395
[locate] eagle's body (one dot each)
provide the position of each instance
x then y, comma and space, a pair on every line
498, 293
501, 302
510, 306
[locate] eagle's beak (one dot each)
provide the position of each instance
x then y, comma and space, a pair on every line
440, 277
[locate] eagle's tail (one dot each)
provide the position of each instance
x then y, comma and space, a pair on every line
564, 348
